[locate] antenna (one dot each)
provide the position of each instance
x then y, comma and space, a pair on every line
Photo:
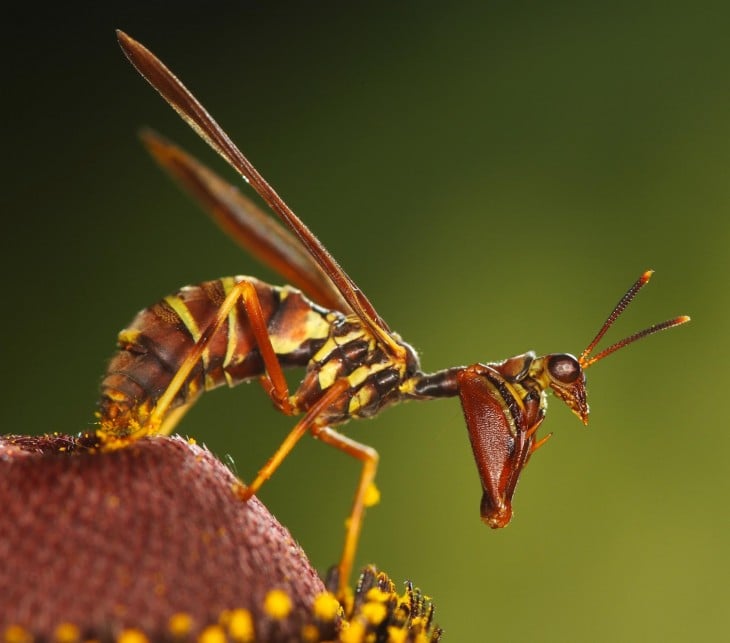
585, 360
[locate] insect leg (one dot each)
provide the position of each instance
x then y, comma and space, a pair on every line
369, 458
367, 455
276, 385
308, 423
172, 419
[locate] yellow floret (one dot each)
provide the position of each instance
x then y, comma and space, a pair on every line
374, 612
326, 606
240, 625
277, 604
66, 633
212, 634
132, 636
17, 634
353, 634
180, 624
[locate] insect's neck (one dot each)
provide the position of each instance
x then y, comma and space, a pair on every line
429, 386
526, 372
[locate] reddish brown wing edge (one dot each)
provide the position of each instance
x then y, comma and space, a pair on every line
195, 115
259, 234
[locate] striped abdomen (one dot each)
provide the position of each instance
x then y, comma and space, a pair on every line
159, 338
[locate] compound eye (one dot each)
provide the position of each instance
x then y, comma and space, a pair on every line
564, 368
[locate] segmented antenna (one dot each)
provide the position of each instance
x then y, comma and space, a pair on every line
585, 360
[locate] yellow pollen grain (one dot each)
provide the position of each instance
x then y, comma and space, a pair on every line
377, 594
372, 495
239, 489
16, 634
396, 634
180, 624
66, 633
277, 604
326, 606
212, 634
353, 634
132, 636
374, 612
240, 625
310, 633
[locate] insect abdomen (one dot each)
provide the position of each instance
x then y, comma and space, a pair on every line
160, 337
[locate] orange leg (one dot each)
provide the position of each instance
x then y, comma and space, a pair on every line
276, 386
368, 456
307, 423
365, 487
275, 383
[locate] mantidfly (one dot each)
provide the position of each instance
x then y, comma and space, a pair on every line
238, 328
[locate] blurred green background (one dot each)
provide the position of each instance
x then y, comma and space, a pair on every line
493, 175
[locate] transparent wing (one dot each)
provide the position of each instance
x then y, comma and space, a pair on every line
188, 107
244, 221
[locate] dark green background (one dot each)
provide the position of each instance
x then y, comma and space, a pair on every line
493, 176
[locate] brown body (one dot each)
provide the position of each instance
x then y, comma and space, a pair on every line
329, 344
231, 330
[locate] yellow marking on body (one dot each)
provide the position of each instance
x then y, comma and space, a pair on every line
362, 398
328, 374
333, 343
518, 391
228, 284
408, 387
314, 326
183, 312
115, 396
277, 604
504, 405
129, 336
210, 383
360, 374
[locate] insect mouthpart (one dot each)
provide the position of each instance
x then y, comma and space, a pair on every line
567, 380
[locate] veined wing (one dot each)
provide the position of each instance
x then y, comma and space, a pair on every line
266, 239
188, 107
